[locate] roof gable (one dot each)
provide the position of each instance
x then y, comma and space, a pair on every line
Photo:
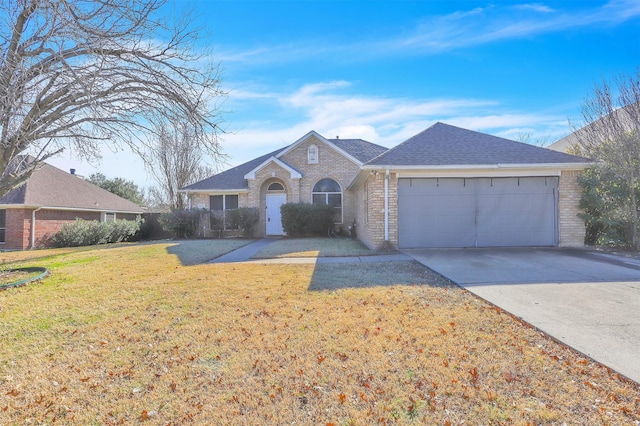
292, 171
324, 140
446, 145
49, 186
234, 179
231, 179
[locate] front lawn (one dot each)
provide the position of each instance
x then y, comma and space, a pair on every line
133, 335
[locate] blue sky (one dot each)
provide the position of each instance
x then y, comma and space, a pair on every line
386, 70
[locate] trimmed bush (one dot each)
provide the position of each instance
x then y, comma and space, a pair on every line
89, 232
189, 223
246, 219
304, 219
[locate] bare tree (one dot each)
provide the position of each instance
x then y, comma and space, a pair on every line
80, 73
177, 161
529, 138
611, 135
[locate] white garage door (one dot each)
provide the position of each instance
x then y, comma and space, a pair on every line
477, 212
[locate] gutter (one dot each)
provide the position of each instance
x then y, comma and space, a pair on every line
33, 227
386, 205
559, 166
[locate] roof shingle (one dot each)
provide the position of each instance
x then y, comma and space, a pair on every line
234, 178
446, 145
49, 186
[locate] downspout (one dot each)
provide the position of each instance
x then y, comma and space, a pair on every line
33, 227
386, 206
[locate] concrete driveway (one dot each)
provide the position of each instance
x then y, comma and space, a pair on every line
588, 300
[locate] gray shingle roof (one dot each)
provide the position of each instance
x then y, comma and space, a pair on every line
49, 186
445, 145
234, 178
359, 149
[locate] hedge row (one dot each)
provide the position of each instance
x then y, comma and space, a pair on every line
304, 219
89, 232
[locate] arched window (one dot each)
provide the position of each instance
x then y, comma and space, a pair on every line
275, 187
312, 154
327, 191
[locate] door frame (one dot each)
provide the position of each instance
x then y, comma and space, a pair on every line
276, 196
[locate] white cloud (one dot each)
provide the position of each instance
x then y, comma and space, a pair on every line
536, 7
332, 109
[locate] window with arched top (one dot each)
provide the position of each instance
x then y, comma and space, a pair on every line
312, 154
327, 191
275, 187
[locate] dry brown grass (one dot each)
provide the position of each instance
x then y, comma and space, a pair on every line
130, 335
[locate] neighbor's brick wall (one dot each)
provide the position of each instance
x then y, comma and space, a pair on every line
48, 222
17, 229
371, 210
571, 228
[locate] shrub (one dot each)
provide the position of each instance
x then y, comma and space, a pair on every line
304, 219
188, 223
246, 219
606, 204
88, 232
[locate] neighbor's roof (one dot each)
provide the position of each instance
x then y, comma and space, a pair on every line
49, 186
234, 178
446, 145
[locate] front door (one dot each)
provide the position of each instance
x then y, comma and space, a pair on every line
274, 220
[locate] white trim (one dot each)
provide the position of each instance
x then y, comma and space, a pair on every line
327, 198
293, 172
386, 206
313, 159
323, 139
541, 166
214, 191
478, 173
71, 209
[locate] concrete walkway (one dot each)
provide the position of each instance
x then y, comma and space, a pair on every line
589, 301
244, 254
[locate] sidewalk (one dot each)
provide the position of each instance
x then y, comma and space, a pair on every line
244, 254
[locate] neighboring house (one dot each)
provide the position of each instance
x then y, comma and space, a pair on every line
51, 198
445, 187
621, 120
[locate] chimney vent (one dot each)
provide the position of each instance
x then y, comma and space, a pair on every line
72, 171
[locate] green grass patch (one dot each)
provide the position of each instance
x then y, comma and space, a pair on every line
314, 247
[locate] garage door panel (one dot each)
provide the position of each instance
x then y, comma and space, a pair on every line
478, 212
440, 208
516, 212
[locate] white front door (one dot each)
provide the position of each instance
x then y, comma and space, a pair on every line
274, 220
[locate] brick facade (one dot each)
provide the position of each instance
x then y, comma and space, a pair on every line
48, 222
570, 226
370, 216
364, 203
331, 164
371, 207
